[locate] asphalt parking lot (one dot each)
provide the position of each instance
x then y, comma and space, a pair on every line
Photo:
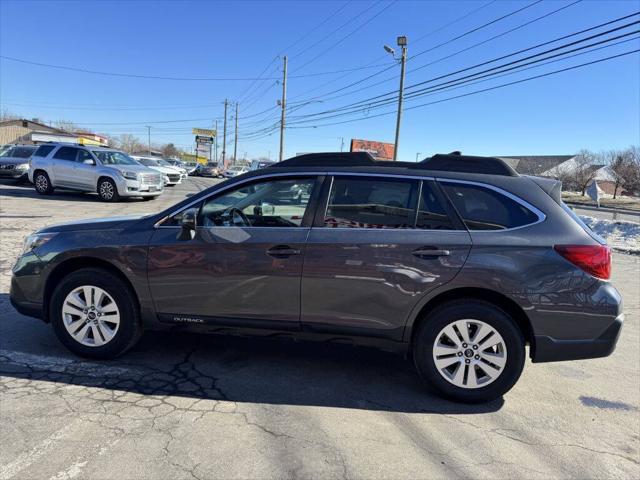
187, 406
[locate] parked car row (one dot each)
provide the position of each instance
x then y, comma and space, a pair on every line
108, 172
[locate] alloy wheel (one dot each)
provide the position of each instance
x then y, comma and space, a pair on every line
469, 353
106, 190
90, 315
41, 183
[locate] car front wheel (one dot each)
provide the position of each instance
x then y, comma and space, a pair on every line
94, 314
469, 350
107, 190
42, 183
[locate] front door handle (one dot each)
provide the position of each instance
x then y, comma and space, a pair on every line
282, 251
430, 252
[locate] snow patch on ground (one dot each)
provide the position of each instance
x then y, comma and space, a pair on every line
620, 235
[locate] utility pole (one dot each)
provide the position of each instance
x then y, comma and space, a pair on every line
224, 136
417, 155
341, 143
216, 140
235, 141
149, 136
283, 104
402, 42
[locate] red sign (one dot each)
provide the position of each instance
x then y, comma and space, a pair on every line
379, 150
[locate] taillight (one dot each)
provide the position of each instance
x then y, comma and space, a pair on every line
593, 259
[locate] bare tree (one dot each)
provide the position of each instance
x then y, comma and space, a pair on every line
631, 176
129, 143
6, 115
584, 169
169, 150
65, 125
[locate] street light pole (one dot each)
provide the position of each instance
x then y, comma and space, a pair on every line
224, 136
283, 104
235, 141
149, 138
216, 140
417, 155
402, 42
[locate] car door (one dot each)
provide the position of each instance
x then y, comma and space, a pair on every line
377, 246
64, 162
244, 263
85, 173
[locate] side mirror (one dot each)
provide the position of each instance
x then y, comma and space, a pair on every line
188, 224
89, 161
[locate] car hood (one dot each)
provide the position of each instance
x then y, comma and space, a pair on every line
13, 160
164, 169
131, 168
107, 223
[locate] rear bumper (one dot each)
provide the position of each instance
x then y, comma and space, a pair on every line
548, 349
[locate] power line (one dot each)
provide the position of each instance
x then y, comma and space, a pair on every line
478, 91
473, 30
369, 103
455, 53
335, 44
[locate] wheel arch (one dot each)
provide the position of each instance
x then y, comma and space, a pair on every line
79, 263
500, 300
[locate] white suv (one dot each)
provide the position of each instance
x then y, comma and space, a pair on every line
110, 173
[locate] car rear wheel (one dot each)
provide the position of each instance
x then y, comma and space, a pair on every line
94, 314
469, 351
107, 190
42, 183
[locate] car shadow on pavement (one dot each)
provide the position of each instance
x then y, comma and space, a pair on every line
13, 189
235, 369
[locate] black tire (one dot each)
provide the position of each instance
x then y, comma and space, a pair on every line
42, 183
495, 317
107, 190
129, 329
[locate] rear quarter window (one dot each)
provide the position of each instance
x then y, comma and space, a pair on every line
482, 208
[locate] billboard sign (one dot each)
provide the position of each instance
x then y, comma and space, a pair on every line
379, 150
204, 139
203, 131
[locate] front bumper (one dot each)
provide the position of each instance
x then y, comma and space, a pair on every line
14, 173
548, 349
136, 188
27, 286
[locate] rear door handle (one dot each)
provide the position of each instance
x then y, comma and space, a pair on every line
430, 252
282, 251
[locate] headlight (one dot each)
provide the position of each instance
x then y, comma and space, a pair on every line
130, 175
36, 240
22, 166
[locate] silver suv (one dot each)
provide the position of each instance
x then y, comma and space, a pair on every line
110, 173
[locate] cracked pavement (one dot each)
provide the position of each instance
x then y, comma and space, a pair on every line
186, 406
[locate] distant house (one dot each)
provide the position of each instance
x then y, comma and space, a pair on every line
554, 166
29, 132
538, 165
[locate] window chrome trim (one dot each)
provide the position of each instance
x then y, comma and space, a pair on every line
539, 213
541, 216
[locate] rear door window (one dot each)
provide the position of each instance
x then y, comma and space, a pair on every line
371, 202
482, 208
44, 150
66, 153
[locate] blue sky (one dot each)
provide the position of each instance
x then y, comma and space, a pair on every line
596, 107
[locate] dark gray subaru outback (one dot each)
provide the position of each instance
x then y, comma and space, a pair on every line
456, 260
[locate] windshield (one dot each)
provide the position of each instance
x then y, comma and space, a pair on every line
18, 152
164, 163
112, 157
148, 162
